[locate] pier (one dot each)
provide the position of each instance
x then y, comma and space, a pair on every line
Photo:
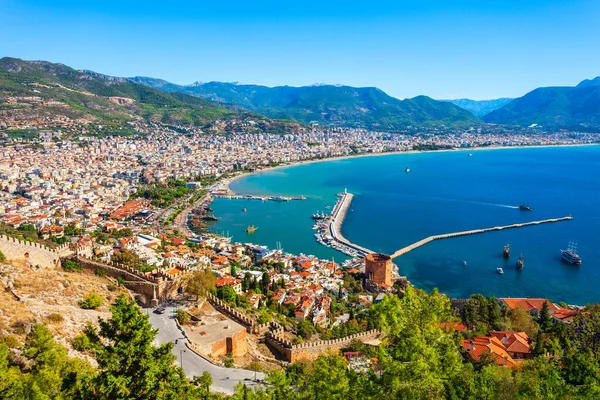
420, 243
261, 198
338, 215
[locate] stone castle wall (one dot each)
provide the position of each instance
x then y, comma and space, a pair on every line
30, 253
310, 351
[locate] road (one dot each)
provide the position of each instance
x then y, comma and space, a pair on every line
224, 379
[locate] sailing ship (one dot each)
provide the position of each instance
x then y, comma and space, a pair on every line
570, 255
506, 252
251, 229
520, 263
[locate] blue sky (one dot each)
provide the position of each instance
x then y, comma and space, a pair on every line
444, 49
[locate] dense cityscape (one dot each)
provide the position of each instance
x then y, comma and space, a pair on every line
162, 164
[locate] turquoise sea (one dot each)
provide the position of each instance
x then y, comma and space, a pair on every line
444, 192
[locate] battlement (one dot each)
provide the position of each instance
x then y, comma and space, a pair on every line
310, 351
30, 253
248, 322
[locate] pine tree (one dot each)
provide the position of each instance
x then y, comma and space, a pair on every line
544, 318
130, 365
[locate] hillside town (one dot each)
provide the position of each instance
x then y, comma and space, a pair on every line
129, 203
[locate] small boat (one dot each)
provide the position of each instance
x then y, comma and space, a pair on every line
500, 271
251, 229
407, 170
470, 155
520, 263
464, 263
506, 252
525, 207
244, 209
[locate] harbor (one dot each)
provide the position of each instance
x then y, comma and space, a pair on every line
329, 228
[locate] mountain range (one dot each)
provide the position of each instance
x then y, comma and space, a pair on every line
366, 107
480, 108
553, 107
56, 92
44, 93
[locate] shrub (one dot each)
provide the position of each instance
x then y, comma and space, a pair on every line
100, 273
120, 281
2, 257
91, 301
82, 342
228, 363
11, 342
182, 317
55, 318
111, 287
71, 266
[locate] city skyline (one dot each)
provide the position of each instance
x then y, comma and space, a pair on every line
445, 51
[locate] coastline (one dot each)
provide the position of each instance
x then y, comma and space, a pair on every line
226, 183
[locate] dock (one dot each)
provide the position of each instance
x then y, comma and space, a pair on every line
338, 215
261, 198
422, 242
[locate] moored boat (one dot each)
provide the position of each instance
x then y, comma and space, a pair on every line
251, 229
500, 271
506, 251
520, 263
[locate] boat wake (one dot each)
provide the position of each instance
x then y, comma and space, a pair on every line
481, 203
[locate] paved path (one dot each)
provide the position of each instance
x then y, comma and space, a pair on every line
224, 379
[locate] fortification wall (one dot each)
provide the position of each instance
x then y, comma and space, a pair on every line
147, 286
249, 323
29, 253
310, 351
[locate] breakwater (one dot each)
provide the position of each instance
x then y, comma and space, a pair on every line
422, 242
338, 215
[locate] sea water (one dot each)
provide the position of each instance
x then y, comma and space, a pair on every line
443, 192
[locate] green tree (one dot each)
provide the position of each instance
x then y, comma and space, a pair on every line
126, 257
227, 294
266, 281
306, 329
204, 382
421, 357
521, 321
327, 378
544, 318
131, 367
201, 282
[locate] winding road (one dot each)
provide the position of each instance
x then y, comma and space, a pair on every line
224, 379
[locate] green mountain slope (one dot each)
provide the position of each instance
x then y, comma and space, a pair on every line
44, 94
553, 107
327, 104
480, 107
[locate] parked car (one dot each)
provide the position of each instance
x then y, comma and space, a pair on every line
160, 310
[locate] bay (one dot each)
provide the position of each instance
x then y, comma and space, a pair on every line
443, 192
